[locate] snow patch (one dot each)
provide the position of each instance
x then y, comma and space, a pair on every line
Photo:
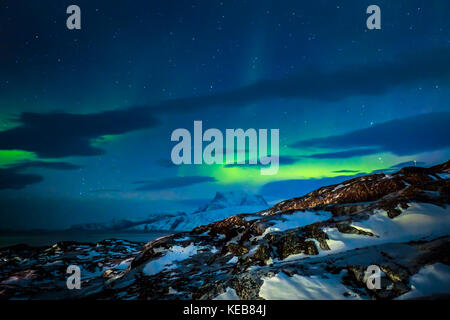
175, 253
229, 294
173, 291
283, 287
123, 264
430, 280
339, 187
443, 175
296, 220
419, 221
233, 260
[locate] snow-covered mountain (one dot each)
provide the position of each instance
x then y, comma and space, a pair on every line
223, 205
233, 199
128, 224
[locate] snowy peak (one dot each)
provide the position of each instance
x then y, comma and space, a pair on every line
231, 199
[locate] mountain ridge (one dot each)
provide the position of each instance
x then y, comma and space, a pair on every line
221, 206
228, 199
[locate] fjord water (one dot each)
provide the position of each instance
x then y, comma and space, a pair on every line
46, 238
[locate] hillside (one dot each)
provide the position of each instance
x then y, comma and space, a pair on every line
317, 246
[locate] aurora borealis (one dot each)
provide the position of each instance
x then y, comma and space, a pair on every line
86, 115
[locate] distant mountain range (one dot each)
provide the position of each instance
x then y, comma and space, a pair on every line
220, 207
232, 199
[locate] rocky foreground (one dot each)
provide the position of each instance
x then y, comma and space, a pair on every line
314, 247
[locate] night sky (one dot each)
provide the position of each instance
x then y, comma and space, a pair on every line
86, 115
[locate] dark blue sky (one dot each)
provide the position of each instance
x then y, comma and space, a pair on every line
86, 115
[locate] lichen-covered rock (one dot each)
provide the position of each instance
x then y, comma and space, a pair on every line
236, 249
292, 243
262, 254
347, 228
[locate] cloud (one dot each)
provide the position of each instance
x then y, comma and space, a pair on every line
368, 79
345, 171
283, 160
408, 164
286, 160
343, 154
57, 135
422, 133
11, 178
47, 165
398, 166
172, 183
